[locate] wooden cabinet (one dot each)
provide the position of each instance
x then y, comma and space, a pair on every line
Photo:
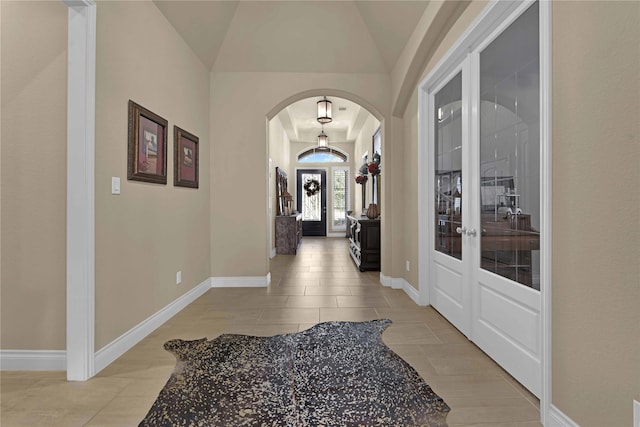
364, 242
288, 234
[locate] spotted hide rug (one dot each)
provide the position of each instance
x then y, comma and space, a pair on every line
333, 374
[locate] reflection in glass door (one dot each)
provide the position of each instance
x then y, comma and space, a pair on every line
448, 168
510, 153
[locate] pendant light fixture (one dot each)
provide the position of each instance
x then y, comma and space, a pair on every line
323, 139
324, 111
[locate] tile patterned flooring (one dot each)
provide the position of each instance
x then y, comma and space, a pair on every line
319, 284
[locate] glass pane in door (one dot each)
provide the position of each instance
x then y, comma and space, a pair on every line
510, 152
339, 199
448, 167
311, 205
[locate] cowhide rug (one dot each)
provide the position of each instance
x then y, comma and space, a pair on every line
333, 374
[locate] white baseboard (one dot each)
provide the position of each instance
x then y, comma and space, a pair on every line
116, 348
400, 283
412, 292
556, 418
273, 253
241, 282
385, 280
397, 283
33, 360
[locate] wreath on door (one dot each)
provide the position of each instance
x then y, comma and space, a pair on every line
312, 187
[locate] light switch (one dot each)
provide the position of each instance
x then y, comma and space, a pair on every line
115, 185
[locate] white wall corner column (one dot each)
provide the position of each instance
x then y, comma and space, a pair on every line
81, 90
546, 404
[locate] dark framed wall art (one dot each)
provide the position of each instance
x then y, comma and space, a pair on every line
147, 151
185, 159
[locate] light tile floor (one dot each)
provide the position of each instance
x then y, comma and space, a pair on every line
319, 284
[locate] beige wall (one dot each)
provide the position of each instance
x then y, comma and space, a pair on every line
150, 231
596, 211
34, 96
240, 103
406, 163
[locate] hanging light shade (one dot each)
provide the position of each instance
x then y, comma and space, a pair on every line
323, 140
324, 111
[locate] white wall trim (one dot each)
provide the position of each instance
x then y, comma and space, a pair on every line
546, 208
33, 360
397, 283
413, 293
116, 348
400, 283
241, 282
273, 253
557, 418
385, 280
81, 72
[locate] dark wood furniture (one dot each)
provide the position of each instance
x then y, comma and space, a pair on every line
506, 246
288, 234
364, 242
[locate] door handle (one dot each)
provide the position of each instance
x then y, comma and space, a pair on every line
471, 232
461, 230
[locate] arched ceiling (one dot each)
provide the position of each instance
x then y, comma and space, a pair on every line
295, 36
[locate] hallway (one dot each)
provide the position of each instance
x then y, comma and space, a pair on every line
319, 284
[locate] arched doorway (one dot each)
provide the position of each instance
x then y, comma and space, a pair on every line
292, 146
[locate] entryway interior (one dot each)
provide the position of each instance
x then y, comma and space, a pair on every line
319, 284
328, 154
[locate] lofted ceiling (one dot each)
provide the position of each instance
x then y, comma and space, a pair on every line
299, 36
295, 36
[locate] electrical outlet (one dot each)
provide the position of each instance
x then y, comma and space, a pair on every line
408, 266
178, 277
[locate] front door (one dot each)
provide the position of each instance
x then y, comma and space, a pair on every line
485, 254
312, 201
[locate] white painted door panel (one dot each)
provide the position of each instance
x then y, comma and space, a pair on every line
487, 163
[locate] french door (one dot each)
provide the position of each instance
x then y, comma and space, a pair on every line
484, 144
312, 201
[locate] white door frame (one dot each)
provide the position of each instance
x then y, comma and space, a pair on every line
81, 93
491, 18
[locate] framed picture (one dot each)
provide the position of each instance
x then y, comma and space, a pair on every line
185, 171
147, 153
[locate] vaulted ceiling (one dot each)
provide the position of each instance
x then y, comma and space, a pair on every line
295, 36
299, 36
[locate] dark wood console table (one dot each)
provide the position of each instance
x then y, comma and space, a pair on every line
364, 242
288, 234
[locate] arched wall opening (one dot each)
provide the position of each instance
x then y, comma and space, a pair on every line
287, 138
